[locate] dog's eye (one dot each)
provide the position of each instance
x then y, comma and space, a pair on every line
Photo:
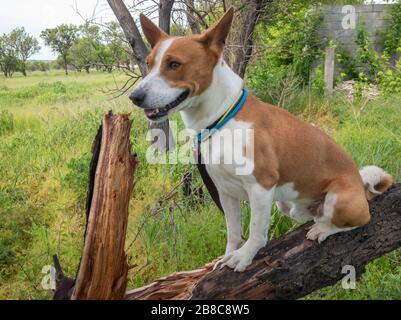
174, 65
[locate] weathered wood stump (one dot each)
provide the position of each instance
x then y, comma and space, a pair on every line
102, 273
103, 269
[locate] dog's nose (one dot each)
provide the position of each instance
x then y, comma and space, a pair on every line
138, 97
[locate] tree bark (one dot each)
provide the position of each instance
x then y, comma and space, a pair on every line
102, 274
65, 66
291, 266
240, 41
165, 7
191, 17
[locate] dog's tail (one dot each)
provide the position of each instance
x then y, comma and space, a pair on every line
376, 181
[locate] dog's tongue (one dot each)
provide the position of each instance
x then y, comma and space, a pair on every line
148, 112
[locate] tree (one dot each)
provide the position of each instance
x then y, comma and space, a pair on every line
61, 39
240, 42
113, 35
102, 48
81, 54
8, 56
24, 46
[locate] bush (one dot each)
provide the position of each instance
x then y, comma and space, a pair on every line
389, 79
37, 65
368, 66
393, 35
292, 48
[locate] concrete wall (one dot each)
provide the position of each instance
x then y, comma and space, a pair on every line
341, 23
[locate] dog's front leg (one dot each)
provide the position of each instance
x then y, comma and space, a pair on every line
261, 203
231, 207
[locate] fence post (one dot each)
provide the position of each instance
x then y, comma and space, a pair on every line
329, 71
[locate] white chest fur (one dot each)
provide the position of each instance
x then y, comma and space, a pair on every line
228, 158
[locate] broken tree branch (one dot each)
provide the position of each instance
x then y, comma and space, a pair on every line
291, 266
103, 269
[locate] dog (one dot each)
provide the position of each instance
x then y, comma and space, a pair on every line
307, 174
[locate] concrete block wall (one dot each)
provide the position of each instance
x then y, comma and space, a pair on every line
337, 24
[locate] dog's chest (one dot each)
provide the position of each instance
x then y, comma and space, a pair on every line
228, 160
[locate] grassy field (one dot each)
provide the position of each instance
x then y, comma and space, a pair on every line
47, 125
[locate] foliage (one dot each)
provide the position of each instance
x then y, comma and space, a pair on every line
368, 66
60, 39
37, 65
95, 47
8, 56
390, 78
24, 46
393, 34
290, 49
367, 58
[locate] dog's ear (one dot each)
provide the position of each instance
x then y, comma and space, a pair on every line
152, 32
215, 37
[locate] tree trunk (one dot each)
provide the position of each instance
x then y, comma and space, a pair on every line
65, 66
165, 7
23, 70
240, 41
191, 17
291, 266
102, 273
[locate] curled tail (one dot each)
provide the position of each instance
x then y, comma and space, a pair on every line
376, 181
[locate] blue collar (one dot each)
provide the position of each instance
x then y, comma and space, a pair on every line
219, 123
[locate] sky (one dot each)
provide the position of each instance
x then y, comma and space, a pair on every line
37, 15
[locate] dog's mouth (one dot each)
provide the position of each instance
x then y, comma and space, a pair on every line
155, 114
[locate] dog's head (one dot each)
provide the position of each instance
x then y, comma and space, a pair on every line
180, 68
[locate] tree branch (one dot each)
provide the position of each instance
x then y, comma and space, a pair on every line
291, 266
102, 273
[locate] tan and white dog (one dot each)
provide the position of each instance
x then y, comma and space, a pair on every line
293, 163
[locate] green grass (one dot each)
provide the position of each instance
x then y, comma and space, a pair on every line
47, 125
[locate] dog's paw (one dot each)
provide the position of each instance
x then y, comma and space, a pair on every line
319, 232
237, 260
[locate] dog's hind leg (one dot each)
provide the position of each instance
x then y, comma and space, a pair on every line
284, 207
345, 208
